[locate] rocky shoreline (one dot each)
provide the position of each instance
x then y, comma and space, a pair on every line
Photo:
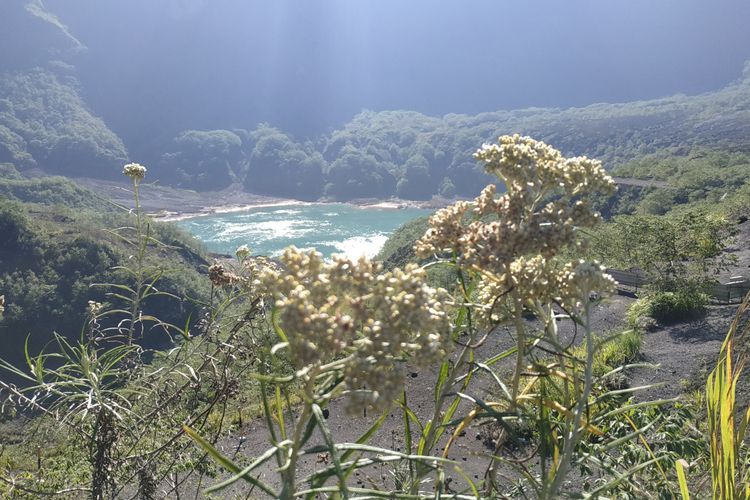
166, 203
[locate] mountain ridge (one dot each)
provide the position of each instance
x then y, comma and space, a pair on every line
46, 123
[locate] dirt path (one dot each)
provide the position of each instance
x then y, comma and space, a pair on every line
685, 354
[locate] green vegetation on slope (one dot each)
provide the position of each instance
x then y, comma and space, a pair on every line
428, 156
279, 166
203, 159
54, 249
398, 249
698, 177
47, 191
414, 156
44, 122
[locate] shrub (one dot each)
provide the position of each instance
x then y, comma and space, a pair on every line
668, 307
621, 348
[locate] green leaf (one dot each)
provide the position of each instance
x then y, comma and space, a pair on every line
231, 466
276, 326
423, 438
223, 461
318, 413
367, 435
412, 416
681, 464
407, 425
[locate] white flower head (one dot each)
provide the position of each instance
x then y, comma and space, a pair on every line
242, 252
135, 171
94, 307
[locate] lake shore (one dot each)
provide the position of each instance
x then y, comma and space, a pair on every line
166, 203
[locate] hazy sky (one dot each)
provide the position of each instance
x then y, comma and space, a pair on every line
310, 65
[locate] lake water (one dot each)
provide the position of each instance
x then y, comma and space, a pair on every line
328, 227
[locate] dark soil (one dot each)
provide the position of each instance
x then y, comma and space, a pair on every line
683, 354
470, 450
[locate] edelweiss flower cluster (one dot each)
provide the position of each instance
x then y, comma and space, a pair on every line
244, 274
95, 307
242, 252
538, 280
577, 280
349, 308
512, 239
221, 277
135, 171
537, 214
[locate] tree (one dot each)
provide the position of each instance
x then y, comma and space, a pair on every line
204, 159
358, 175
280, 166
416, 183
675, 251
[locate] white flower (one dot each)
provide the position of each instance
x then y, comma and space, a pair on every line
349, 307
242, 252
94, 307
135, 171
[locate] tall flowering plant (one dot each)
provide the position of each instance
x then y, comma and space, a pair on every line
347, 328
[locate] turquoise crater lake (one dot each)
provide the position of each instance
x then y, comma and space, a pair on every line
331, 228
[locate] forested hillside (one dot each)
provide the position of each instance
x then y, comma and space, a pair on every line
58, 248
567, 333
45, 123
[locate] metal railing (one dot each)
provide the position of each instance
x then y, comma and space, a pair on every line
631, 281
731, 292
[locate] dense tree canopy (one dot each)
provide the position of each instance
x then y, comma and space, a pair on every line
44, 122
282, 167
357, 174
203, 159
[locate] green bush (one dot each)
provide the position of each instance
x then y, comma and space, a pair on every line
45, 123
398, 250
668, 307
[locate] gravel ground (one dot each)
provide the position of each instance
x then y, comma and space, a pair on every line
470, 449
